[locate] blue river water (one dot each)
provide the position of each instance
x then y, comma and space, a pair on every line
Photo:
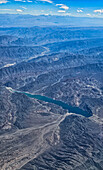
71, 109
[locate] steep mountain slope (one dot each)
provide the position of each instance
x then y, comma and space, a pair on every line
65, 64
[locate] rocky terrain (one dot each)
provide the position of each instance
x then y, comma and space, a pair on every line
62, 63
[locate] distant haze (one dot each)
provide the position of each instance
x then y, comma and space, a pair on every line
17, 20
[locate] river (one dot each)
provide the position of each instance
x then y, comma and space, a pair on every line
71, 109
